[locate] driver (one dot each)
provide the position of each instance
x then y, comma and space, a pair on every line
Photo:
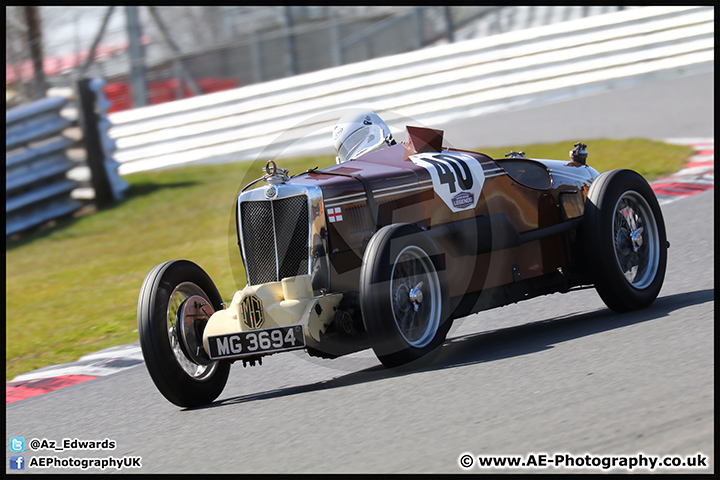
358, 133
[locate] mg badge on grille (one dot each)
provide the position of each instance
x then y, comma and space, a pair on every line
252, 311
270, 191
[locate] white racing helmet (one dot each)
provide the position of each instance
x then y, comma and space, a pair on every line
358, 133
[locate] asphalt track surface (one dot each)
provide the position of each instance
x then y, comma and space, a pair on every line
556, 374
677, 107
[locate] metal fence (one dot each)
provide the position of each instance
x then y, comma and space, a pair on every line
230, 46
299, 43
298, 47
37, 187
434, 86
244, 44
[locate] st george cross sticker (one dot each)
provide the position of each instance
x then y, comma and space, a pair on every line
457, 178
334, 214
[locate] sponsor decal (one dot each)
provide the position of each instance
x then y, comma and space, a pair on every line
334, 214
463, 200
252, 311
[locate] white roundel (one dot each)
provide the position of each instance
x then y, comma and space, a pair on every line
457, 178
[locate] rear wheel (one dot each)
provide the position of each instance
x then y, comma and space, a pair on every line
175, 303
403, 295
626, 244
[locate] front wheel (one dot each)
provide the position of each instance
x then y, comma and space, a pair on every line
403, 295
175, 303
626, 245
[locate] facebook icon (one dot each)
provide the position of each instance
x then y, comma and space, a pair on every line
17, 462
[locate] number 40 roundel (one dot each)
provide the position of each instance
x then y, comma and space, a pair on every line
457, 178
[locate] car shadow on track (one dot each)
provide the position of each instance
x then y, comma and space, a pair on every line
499, 344
544, 334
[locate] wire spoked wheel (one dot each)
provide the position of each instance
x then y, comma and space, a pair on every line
189, 310
416, 296
625, 240
403, 295
637, 246
176, 300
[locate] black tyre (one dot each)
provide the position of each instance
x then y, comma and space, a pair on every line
625, 241
403, 295
176, 299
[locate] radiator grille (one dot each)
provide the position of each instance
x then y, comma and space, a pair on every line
275, 237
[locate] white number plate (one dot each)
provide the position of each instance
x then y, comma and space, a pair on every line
254, 342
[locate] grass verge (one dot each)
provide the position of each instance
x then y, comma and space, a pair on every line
72, 288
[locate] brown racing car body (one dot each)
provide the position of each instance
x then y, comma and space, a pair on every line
522, 209
385, 250
502, 226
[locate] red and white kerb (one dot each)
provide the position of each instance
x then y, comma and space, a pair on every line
334, 214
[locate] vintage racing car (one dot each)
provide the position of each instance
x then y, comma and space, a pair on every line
384, 249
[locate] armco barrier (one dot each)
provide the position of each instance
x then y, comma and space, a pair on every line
37, 189
433, 86
99, 147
